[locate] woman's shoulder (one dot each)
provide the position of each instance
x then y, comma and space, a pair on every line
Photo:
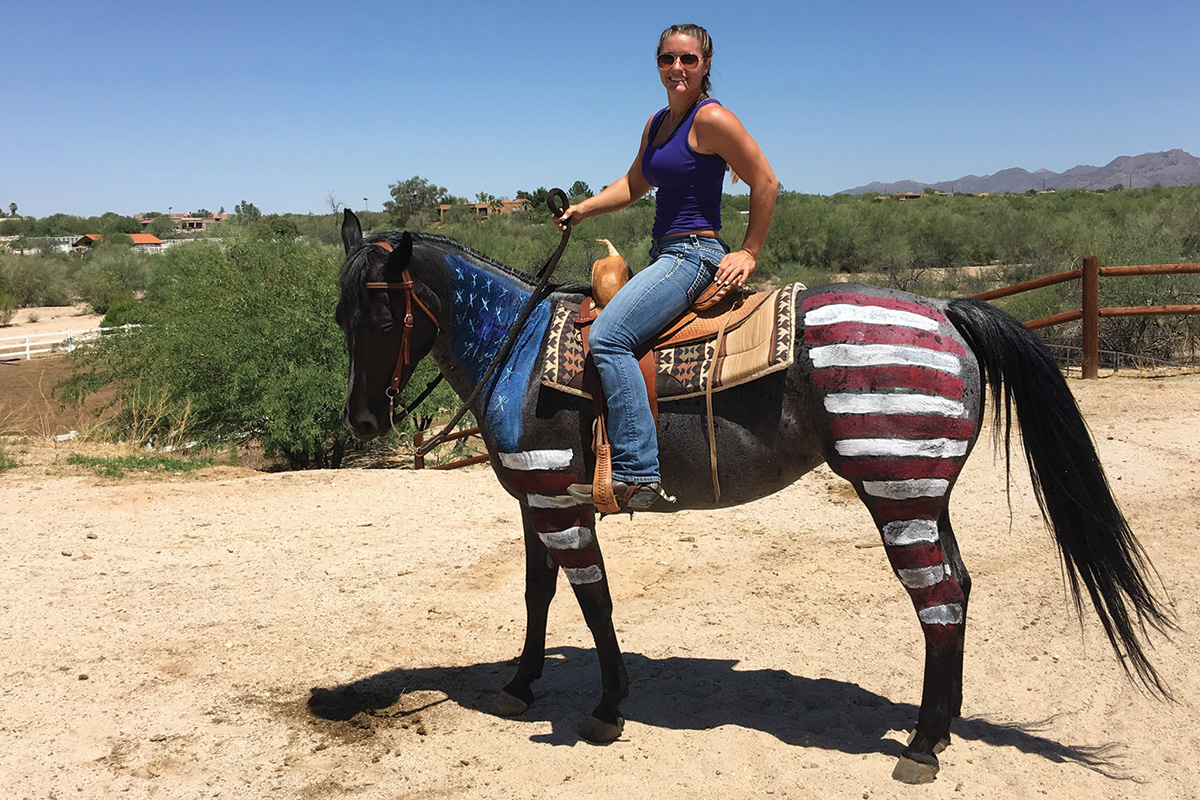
711, 110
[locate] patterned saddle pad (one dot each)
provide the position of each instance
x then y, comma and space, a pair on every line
759, 345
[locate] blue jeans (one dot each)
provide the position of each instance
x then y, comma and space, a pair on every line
681, 268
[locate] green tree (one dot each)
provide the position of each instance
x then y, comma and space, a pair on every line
161, 226
414, 202
579, 191
12, 209
247, 211
111, 222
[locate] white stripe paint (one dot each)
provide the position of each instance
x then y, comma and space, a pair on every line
901, 448
910, 531
537, 459
551, 501
579, 575
920, 577
871, 315
873, 355
949, 614
893, 403
908, 489
576, 538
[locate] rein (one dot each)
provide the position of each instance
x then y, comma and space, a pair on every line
557, 202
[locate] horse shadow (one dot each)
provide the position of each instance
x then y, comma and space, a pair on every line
689, 693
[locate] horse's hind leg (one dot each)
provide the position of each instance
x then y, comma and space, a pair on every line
541, 576
923, 552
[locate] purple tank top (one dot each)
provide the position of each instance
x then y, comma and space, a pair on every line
689, 183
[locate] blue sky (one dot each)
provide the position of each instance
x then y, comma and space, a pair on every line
140, 107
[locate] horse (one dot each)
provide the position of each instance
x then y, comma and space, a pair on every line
886, 387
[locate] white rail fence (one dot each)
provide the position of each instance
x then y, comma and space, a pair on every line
19, 348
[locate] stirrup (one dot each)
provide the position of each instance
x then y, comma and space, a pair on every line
630, 497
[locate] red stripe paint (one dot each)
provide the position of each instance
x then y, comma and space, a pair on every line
875, 469
539, 481
895, 376
940, 594
548, 520
920, 508
947, 636
575, 559
913, 556
877, 426
861, 333
833, 298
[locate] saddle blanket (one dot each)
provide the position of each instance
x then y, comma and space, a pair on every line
762, 343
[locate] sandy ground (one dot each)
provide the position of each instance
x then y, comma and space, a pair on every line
50, 319
342, 634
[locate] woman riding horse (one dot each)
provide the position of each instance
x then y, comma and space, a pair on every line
685, 149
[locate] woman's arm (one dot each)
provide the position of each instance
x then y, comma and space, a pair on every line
621, 193
719, 131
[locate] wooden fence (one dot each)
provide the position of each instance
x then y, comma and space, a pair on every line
20, 348
419, 460
1091, 312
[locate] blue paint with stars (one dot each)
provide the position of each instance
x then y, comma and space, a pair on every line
485, 305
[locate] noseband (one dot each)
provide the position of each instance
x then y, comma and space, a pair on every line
410, 296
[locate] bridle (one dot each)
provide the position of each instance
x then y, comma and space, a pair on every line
407, 285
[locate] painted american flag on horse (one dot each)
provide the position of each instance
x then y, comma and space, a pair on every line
540, 479
891, 374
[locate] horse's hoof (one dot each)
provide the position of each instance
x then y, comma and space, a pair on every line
914, 768
599, 732
506, 705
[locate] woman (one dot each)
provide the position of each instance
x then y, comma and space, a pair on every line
684, 151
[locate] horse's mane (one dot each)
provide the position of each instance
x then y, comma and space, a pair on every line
354, 272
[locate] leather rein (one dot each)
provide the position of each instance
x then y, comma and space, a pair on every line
556, 199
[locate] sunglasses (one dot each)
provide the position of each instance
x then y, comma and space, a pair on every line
667, 60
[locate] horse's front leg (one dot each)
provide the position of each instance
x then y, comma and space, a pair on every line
560, 533
541, 576
590, 583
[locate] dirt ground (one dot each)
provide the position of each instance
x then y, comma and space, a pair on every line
333, 634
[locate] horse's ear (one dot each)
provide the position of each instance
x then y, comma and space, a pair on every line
401, 253
351, 232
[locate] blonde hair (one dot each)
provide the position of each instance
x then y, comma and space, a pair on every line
701, 36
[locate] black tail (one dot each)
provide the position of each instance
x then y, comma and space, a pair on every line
1093, 536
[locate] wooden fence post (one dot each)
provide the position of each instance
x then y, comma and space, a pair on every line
418, 459
1090, 357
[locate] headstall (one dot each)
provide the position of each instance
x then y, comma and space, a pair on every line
410, 296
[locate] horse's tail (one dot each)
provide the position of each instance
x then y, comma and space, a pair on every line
1093, 537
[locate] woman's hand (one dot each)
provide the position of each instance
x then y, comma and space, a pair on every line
736, 268
572, 216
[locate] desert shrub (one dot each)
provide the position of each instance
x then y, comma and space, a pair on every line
8, 308
37, 280
237, 340
111, 273
6, 461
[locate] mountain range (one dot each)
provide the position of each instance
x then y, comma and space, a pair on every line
1172, 168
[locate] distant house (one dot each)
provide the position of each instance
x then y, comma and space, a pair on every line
184, 222
142, 242
486, 210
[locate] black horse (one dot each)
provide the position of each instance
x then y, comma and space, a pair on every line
886, 387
